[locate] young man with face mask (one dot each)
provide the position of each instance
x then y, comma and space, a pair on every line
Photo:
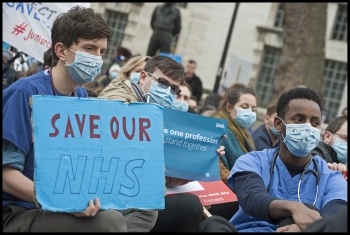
159, 83
79, 39
274, 184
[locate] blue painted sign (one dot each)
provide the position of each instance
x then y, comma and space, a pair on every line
87, 148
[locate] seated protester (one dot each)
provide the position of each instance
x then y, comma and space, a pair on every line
334, 146
271, 184
266, 136
183, 99
159, 83
70, 42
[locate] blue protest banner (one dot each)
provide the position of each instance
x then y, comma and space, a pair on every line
88, 148
191, 141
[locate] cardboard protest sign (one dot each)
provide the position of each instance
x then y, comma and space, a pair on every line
28, 24
209, 193
88, 148
191, 141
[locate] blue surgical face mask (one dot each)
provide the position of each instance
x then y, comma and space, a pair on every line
135, 77
245, 117
341, 147
113, 75
180, 105
274, 132
300, 139
160, 95
85, 67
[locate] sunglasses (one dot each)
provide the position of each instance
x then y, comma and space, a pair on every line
162, 82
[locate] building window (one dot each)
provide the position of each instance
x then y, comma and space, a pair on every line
117, 22
279, 20
334, 83
266, 75
340, 28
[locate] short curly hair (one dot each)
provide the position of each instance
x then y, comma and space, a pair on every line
296, 93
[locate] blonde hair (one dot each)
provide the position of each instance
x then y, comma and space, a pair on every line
129, 66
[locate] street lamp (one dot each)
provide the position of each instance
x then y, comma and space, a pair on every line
213, 99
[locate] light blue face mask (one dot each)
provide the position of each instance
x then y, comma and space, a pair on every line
300, 139
159, 95
180, 105
274, 132
135, 77
245, 117
85, 67
113, 75
341, 147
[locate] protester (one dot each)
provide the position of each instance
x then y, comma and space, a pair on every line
122, 56
334, 146
130, 71
165, 23
9, 74
193, 80
238, 107
79, 39
266, 136
271, 184
183, 99
159, 83
47, 60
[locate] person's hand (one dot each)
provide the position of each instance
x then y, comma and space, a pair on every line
304, 216
91, 210
291, 228
337, 167
221, 150
173, 182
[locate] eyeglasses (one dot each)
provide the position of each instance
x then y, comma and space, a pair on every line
162, 82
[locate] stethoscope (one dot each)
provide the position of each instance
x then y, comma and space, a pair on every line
305, 170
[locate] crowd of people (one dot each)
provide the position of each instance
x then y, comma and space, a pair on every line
287, 176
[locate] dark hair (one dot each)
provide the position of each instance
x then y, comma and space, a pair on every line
78, 23
188, 86
124, 52
271, 108
335, 124
168, 66
192, 61
233, 93
295, 93
48, 58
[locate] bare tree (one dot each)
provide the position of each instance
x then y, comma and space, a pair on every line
303, 52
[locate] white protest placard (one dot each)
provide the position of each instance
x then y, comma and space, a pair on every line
238, 71
27, 25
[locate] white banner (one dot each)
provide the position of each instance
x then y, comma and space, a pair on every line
27, 25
